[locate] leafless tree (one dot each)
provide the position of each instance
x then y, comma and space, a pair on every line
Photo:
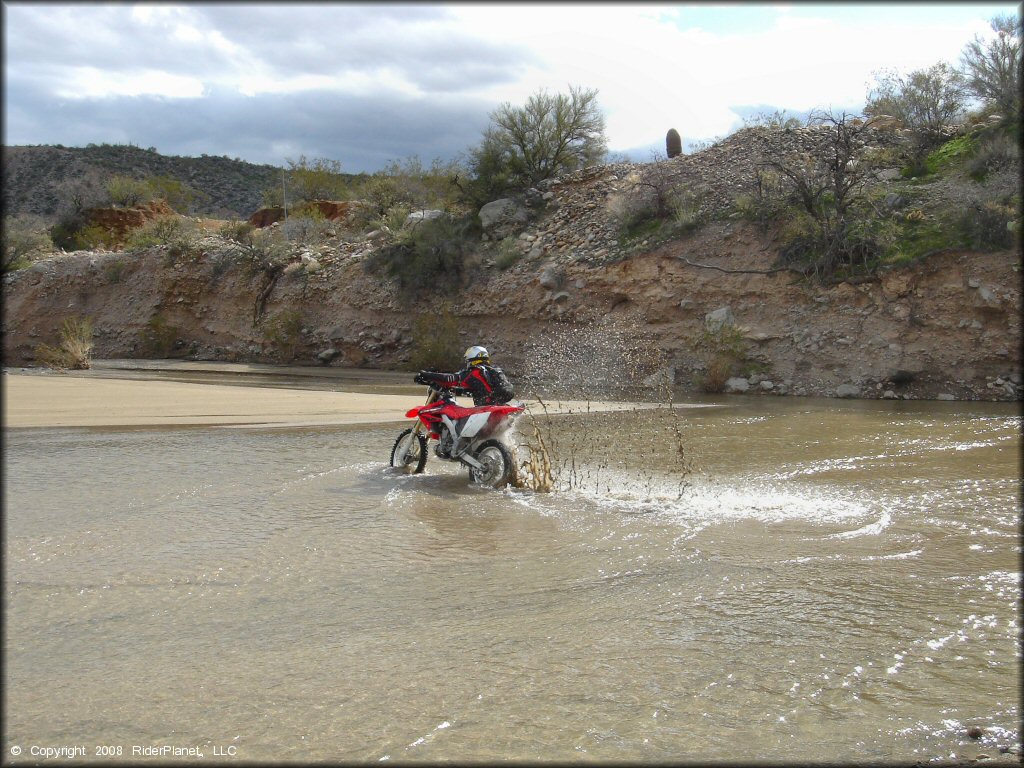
826, 182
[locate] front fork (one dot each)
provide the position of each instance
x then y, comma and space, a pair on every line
431, 398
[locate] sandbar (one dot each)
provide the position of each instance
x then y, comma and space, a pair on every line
61, 400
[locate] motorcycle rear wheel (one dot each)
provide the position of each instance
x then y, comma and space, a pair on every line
409, 452
498, 465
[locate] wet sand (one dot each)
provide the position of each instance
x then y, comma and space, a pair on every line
69, 400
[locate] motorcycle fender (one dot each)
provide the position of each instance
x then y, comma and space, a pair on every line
474, 424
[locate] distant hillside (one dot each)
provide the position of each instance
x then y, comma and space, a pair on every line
36, 179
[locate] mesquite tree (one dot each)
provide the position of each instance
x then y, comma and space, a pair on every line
550, 135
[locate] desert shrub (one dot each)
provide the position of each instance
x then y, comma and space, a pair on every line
74, 352
159, 337
383, 193
653, 203
767, 202
126, 192
265, 249
284, 331
91, 237
395, 218
993, 153
179, 233
685, 212
718, 369
926, 100
238, 231
435, 342
507, 253
317, 179
114, 271
778, 120
23, 237
987, 224
724, 352
178, 195
433, 251
310, 228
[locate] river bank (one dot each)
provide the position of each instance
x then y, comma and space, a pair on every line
124, 393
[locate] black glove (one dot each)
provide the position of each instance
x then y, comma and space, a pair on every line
421, 379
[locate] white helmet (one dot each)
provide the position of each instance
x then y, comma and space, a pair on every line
476, 355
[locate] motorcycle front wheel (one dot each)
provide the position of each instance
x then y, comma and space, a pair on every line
410, 452
497, 467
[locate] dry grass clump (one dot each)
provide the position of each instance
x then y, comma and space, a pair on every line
75, 349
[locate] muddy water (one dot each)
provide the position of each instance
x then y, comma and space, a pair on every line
825, 582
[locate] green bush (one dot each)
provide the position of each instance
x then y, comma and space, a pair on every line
127, 192
23, 237
431, 252
179, 233
507, 253
75, 349
318, 179
238, 231
92, 237
993, 153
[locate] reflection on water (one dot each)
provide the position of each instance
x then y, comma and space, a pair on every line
837, 582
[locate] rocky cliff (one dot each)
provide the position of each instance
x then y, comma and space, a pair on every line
944, 327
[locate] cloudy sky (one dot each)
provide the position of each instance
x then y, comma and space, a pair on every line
366, 84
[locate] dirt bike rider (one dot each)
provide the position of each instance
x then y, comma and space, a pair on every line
487, 383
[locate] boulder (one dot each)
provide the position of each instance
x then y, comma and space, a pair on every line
847, 390
424, 214
736, 384
503, 218
327, 355
551, 277
719, 318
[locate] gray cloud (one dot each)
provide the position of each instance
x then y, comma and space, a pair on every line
364, 132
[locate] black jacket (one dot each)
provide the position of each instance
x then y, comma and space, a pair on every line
487, 383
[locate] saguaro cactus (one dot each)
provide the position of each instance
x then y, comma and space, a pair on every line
673, 143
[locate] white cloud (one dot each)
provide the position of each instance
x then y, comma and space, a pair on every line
92, 83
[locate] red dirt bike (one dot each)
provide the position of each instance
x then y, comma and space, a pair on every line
467, 435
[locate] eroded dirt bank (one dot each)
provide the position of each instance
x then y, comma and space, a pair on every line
949, 327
